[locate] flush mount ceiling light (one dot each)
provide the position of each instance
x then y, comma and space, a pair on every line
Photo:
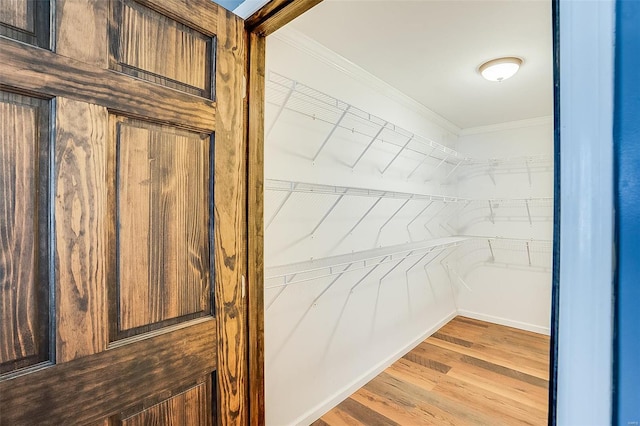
500, 69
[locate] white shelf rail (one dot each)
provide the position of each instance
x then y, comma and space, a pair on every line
287, 94
521, 207
474, 167
507, 252
291, 187
282, 276
296, 273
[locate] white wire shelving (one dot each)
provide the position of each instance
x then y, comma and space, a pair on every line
475, 167
291, 187
301, 272
474, 251
286, 94
519, 207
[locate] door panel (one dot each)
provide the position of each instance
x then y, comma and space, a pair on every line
24, 289
161, 172
25, 20
127, 377
191, 407
137, 33
133, 214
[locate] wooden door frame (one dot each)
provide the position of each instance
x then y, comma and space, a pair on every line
269, 18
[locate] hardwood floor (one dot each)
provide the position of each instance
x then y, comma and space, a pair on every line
468, 373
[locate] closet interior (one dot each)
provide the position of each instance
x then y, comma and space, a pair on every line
384, 221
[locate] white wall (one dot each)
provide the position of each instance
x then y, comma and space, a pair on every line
507, 290
317, 353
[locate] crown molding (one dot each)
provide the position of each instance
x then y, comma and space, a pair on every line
530, 122
300, 41
249, 7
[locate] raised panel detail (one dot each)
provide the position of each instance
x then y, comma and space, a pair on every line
145, 44
162, 202
18, 13
191, 407
24, 284
25, 20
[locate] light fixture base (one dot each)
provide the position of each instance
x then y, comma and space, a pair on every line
500, 69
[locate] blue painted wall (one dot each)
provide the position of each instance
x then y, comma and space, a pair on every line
627, 195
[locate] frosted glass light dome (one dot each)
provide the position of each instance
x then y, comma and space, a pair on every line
500, 69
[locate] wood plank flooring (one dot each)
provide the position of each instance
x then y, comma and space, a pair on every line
470, 372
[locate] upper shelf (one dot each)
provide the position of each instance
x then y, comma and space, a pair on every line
287, 94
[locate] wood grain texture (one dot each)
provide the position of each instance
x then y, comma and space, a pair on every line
81, 30
200, 15
230, 222
41, 71
255, 225
162, 178
23, 249
146, 369
26, 20
191, 407
18, 13
151, 46
276, 14
417, 389
80, 228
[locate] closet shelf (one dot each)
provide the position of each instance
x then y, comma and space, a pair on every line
493, 204
287, 94
315, 188
505, 161
285, 275
295, 273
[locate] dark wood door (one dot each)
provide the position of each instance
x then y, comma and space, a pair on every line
122, 213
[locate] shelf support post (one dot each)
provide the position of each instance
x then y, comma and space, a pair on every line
398, 153
368, 273
437, 167
335, 126
415, 169
327, 214
453, 170
365, 215
395, 266
491, 213
384, 126
280, 207
284, 103
394, 214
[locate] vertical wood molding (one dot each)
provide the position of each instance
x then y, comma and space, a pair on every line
80, 247
263, 22
230, 219
255, 188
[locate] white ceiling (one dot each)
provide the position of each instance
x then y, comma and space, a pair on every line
430, 50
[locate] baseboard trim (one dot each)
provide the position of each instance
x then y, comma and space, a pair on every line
322, 408
505, 321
